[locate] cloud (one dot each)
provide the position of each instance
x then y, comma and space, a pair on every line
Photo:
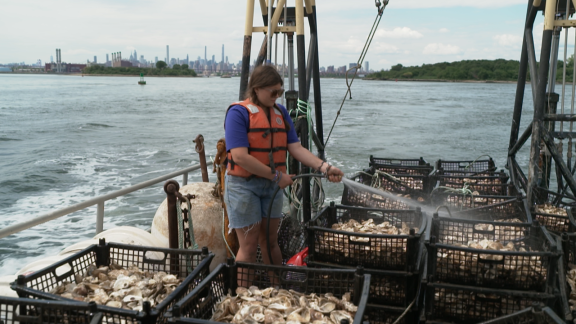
399, 32
441, 49
509, 40
443, 30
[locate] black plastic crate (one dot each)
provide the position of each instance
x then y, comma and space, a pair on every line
398, 162
389, 288
416, 187
372, 198
385, 252
494, 185
194, 265
198, 306
24, 310
466, 304
486, 207
292, 237
554, 222
396, 166
531, 315
452, 261
473, 167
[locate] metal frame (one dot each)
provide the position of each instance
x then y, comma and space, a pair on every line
306, 70
542, 128
99, 201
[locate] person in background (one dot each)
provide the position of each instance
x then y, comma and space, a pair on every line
258, 133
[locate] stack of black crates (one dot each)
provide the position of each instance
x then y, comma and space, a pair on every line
46, 307
396, 263
469, 283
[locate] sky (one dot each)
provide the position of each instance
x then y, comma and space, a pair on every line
412, 32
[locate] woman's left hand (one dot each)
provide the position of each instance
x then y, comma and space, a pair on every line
334, 174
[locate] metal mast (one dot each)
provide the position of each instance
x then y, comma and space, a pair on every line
546, 157
277, 21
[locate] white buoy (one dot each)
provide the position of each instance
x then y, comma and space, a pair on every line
5, 289
44, 263
77, 247
130, 235
206, 218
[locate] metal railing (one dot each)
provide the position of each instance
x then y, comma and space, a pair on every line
99, 201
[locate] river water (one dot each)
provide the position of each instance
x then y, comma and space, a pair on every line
65, 139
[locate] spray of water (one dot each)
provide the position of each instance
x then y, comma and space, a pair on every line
411, 203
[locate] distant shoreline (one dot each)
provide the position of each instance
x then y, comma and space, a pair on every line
441, 80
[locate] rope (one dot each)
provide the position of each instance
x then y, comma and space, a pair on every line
472, 163
316, 204
360, 61
405, 311
464, 191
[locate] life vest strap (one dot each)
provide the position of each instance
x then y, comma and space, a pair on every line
274, 149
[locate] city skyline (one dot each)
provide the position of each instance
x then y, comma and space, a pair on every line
412, 32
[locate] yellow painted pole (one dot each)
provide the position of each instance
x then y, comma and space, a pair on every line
276, 16
549, 14
263, 6
299, 17
249, 18
309, 4
537, 3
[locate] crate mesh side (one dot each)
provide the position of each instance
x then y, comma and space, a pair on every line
202, 305
48, 281
397, 162
125, 257
494, 185
42, 312
556, 223
460, 305
519, 270
370, 251
467, 166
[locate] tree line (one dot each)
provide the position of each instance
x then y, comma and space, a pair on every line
160, 69
481, 70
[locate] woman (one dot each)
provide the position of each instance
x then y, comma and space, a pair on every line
259, 130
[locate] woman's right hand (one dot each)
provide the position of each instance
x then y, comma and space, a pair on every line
285, 181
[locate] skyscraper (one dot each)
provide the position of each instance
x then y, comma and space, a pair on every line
222, 53
167, 55
51, 59
367, 66
95, 60
205, 57
107, 60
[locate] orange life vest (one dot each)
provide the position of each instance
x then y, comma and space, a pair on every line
265, 136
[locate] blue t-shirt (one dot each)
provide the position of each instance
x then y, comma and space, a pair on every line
237, 124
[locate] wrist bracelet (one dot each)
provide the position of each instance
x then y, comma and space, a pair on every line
320, 167
328, 168
275, 179
280, 177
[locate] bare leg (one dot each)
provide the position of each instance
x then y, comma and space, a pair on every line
248, 240
275, 249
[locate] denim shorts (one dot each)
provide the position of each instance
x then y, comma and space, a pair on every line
247, 201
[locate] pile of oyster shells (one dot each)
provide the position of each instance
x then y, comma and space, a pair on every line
272, 305
115, 286
548, 208
340, 242
529, 269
